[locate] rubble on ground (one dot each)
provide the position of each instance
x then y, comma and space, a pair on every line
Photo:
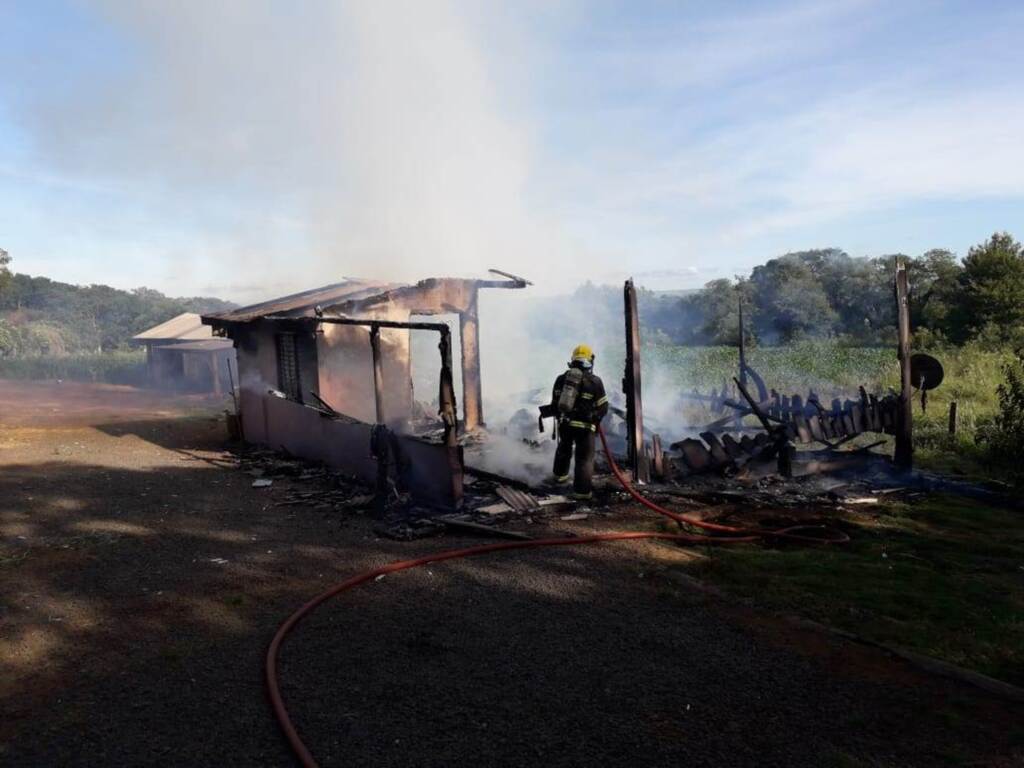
498, 506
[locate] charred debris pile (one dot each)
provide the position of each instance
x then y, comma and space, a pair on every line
492, 505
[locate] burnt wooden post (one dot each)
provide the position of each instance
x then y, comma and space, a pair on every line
631, 388
469, 337
657, 463
449, 415
904, 453
952, 418
743, 347
743, 355
379, 445
784, 461
378, 374
446, 391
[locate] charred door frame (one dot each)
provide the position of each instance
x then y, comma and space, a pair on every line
446, 395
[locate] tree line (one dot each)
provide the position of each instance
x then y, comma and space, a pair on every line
822, 293
39, 316
827, 293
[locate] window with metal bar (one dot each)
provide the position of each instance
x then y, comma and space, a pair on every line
288, 366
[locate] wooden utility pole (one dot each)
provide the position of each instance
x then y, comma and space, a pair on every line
636, 456
904, 454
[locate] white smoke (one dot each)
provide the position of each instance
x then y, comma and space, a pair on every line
305, 143
302, 143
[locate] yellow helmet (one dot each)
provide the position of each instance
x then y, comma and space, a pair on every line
583, 353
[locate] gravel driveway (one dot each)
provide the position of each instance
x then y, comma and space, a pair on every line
141, 577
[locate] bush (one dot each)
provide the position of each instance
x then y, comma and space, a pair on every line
994, 337
1005, 436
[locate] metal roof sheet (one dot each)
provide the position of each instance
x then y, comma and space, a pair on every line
298, 304
187, 325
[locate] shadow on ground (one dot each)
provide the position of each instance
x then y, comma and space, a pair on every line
138, 598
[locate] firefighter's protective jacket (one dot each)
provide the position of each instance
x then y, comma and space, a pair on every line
591, 402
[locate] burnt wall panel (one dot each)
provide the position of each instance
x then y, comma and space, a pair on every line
431, 472
306, 433
254, 418
426, 469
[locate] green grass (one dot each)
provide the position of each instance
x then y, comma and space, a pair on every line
789, 369
972, 373
942, 577
107, 367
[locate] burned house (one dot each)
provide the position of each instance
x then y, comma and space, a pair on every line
182, 354
326, 375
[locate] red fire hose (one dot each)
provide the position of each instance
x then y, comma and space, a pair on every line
745, 535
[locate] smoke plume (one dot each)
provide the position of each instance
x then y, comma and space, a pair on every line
313, 141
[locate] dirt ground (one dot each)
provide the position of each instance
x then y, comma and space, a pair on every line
142, 576
75, 404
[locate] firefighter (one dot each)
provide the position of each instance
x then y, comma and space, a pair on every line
579, 402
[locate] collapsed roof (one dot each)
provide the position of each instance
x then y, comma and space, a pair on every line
304, 302
435, 295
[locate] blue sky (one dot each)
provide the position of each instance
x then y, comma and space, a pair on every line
247, 149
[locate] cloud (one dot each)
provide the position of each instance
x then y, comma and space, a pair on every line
785, 122
868, 151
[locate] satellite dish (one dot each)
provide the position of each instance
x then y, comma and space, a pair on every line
925, 371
